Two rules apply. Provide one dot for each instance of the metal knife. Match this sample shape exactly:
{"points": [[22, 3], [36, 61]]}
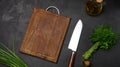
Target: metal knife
{"points": [[75, 40]]}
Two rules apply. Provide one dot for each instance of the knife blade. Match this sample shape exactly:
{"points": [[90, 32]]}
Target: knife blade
{"points": [[73, 44]]}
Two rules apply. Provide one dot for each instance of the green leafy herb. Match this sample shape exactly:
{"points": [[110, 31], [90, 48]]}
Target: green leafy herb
{"points": [[10, 58], [102, 38]]}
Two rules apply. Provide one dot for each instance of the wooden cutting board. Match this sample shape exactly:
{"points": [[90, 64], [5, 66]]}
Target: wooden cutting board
{"points": [[45, 34]]}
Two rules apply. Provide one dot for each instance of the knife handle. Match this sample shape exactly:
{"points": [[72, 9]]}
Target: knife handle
{"points": [[72, 59]]}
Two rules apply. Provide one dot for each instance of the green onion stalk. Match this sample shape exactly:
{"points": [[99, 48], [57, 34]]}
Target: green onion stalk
{"points": [[10, 58]]}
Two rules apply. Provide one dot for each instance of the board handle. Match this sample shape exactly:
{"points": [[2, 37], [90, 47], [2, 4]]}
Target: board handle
{"points": [[58, 11]]}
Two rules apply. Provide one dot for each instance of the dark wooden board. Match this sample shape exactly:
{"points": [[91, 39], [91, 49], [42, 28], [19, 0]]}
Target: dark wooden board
{"points": [[45, 34]]}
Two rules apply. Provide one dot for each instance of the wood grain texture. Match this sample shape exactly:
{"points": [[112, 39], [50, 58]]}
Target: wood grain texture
{"points": [[45, 34]]}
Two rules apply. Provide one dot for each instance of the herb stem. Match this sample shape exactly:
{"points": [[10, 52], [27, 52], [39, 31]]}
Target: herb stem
{"points": [[88, 53]]}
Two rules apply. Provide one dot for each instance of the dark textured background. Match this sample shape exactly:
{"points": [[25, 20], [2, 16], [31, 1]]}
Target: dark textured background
{"points": [[15, 14]]}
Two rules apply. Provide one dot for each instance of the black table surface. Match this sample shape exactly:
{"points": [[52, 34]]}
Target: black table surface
{"points": [[15, 15]]}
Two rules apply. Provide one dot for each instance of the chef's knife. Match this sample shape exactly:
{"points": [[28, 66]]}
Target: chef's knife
{"points": [[75, 40]]}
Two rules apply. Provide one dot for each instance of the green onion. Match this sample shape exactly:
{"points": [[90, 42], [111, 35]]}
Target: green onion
{"points": [[10, 58]]}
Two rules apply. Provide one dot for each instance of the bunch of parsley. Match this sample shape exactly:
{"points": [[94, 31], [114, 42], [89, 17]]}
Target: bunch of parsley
{"points": [[102, 38]]}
